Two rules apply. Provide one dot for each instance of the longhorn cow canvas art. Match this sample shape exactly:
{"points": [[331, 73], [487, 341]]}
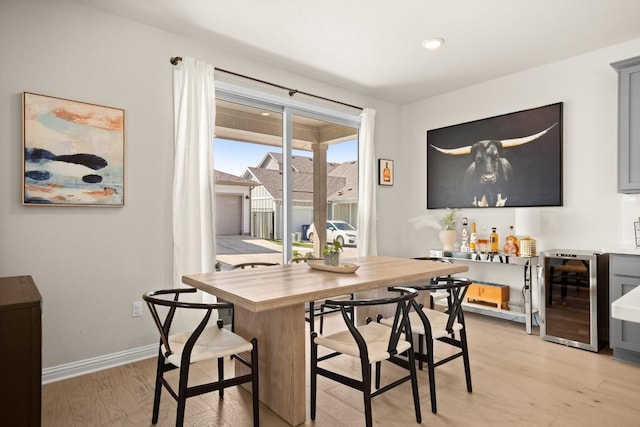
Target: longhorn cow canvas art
{"points": [[512, 160], [73, 153]]}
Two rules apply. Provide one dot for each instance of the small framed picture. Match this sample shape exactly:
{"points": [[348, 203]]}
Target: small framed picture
{"points": [[636, 227], [385, 172]]}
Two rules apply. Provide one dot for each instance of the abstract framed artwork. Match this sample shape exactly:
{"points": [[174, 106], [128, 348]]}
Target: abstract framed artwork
{"points": [[73, 152], [511, 160], [385, 172]]}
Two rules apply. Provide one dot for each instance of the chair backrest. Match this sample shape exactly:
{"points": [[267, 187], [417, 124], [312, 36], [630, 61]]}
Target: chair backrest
{"points": [[432, 258], [457, 288], [298, 260], [253, 264], [400, 326], [170, 298]]}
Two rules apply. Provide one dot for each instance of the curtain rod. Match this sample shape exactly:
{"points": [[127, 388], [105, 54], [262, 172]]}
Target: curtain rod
{"points": [[176, 59]]}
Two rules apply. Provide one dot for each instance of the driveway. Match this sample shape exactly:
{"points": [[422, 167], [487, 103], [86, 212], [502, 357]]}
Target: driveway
{"points": [[231, 250]]}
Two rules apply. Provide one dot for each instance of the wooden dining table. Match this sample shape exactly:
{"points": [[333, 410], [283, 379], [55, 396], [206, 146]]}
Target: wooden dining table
{"points": [[270, 306]]}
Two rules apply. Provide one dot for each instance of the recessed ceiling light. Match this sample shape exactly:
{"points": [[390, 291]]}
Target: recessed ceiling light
{"points": [[265, 114], [433, 43]]}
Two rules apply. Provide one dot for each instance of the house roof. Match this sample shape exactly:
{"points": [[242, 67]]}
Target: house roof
{"points": [[223, 178], [302, 183], [349, 192], [342, 178], [298, 163]]}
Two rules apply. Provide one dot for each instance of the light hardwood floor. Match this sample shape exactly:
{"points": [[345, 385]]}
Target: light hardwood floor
{"points": [[518, 380]]}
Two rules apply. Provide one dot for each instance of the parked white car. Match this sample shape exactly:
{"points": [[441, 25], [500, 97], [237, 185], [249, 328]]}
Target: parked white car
{"points": [[341, 231]]}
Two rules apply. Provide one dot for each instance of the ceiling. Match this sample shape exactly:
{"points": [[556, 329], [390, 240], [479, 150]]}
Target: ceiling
{"points": [[373, 46]]}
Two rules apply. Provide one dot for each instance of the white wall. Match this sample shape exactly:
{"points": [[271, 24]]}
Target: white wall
{"points": [[594, 216], [91, 263]]}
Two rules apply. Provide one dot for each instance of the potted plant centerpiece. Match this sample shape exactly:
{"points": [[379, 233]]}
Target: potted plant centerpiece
{"points": [[448, 234], [331, 253]]}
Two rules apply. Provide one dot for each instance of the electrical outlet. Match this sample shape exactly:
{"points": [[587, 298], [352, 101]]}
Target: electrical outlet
{"points": [[136, 309]]}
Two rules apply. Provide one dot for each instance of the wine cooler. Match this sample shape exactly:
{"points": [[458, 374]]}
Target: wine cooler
{"points": [[574, 302]]}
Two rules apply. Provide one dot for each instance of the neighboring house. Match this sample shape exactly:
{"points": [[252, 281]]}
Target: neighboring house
{"points": [[233, 204], [266, 199], [343, 204]]}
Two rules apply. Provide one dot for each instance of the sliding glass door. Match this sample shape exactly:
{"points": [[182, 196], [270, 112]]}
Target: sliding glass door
{"points": [[280, 171]]}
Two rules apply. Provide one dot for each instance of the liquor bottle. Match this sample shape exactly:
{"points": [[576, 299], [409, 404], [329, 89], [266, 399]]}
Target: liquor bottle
{"points": [[493, 241], [464, 236], [386, 173], [473, 238], [511, 244]]}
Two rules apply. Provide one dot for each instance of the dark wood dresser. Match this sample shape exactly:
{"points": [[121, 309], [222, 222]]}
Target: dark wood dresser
{"points": [[21, 355]]}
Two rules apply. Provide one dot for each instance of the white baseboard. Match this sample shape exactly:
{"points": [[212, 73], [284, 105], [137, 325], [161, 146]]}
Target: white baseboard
{"points": [[82, 367]]}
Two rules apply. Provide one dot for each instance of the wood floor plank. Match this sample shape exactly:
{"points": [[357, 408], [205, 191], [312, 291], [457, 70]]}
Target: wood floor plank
{"points": [[518, 380]]}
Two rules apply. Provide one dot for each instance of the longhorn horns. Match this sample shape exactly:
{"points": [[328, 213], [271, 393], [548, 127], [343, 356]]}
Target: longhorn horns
{"points": [[506, 143]]}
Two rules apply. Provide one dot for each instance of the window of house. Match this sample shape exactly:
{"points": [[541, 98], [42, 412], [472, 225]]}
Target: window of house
{"points": [[278, 169]]}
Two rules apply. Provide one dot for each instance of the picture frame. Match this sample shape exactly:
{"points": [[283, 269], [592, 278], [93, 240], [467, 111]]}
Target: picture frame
{"points": [[527, 143], [73, 152], [385, 172]]}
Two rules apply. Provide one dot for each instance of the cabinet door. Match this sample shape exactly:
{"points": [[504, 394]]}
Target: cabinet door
{"points": [[628, 125], [624, 276]]}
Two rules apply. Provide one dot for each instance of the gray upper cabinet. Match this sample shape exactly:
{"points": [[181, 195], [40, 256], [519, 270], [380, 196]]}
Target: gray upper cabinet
{"points": [[628, 125]]}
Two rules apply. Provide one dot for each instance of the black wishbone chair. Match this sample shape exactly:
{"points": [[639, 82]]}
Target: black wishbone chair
{"points": [[435, 296], [318, 308], [180, 351], [370, 343], [253, 264], [432, 325]]}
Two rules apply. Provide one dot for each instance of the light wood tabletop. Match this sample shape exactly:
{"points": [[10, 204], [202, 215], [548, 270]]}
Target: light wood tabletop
{"points": [[269, 306]]}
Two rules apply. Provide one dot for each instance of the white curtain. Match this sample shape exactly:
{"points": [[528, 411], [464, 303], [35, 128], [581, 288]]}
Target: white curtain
{"points": [[367, 179], [193, 177]]}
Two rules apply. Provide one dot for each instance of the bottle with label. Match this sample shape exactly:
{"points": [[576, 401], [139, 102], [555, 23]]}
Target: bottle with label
{"points": [[493, 241], [386, 173], [473, 238], [511, 244], [464, 236]]}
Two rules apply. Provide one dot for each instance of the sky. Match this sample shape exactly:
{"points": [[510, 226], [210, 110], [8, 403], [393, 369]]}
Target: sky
{"points": [[234, 157]]}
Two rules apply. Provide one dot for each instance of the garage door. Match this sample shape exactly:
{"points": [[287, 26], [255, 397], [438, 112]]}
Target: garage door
{"points": [[228, 215]]}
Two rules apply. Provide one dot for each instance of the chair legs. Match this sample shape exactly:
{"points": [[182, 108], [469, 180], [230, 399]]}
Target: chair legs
{"points": [[465, 358], [321, 318], [365, 384], [432, 364], [158, 389], [221, 375], [182, 395], [184, 391], [314, 375], [432, 375], [255, 385], [366, 394], [414, 385]]}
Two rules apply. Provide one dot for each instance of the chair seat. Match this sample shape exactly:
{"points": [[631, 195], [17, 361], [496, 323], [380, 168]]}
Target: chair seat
{"points": [[375, 335], [439, 295], [213, 343], [437, 320]]}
